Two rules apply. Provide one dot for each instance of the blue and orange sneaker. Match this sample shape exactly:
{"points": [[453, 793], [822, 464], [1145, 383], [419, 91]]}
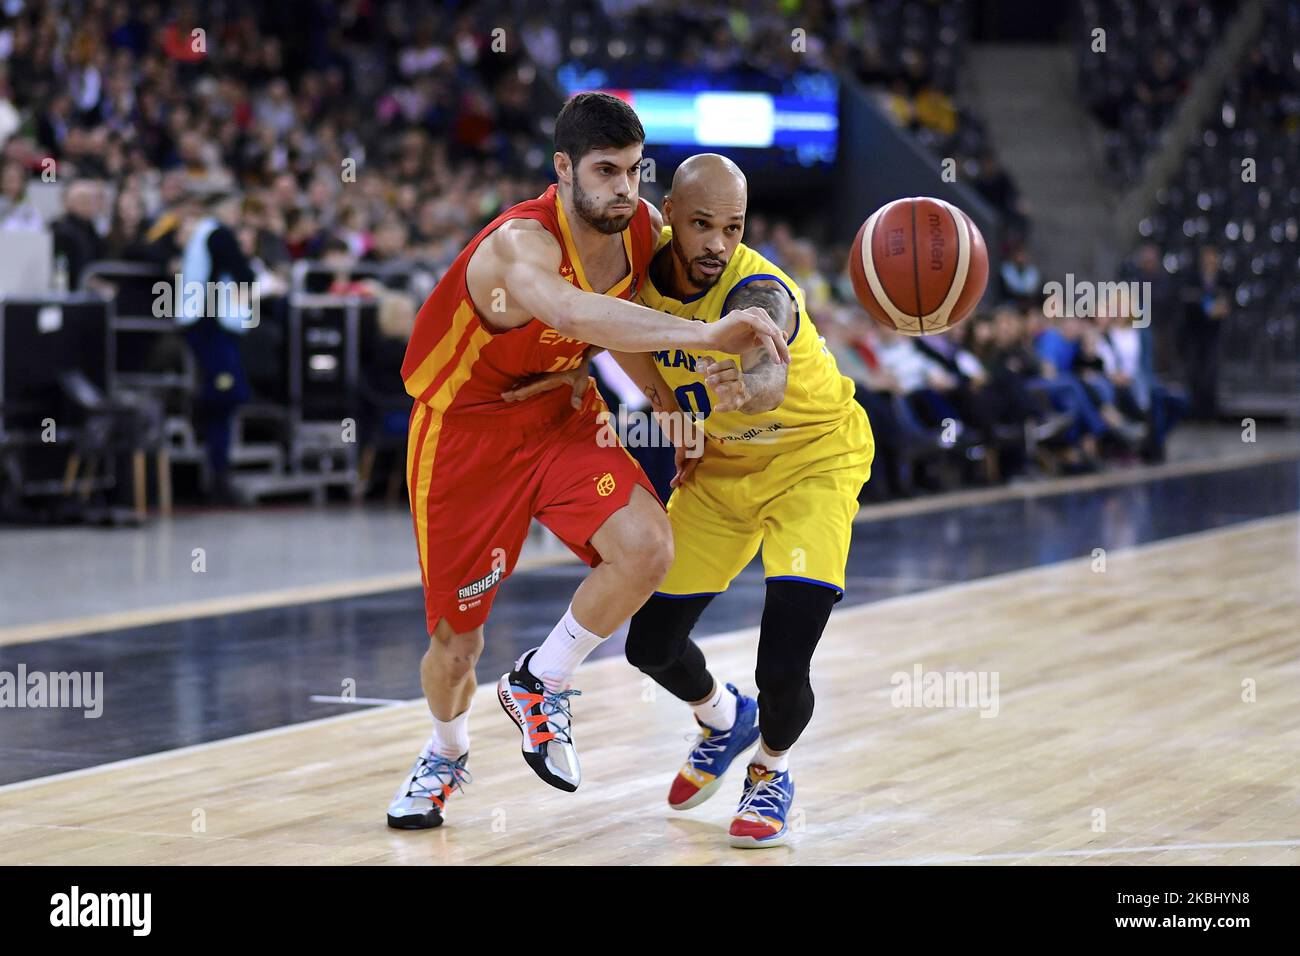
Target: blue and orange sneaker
{"points": [[764, 805], [545, 723], [712, 754], [421, 801]]}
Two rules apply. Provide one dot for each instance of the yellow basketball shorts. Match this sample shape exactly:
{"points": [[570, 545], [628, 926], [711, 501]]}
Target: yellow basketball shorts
{"points": [[798, 504]]}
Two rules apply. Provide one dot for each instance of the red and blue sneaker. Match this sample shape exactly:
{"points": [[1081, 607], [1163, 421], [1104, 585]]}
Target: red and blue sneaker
{"points": [[712, 754], [764, 805]]}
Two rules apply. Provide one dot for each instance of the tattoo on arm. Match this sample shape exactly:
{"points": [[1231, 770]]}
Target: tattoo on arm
{"points": [[768, 295], [764, 379]]}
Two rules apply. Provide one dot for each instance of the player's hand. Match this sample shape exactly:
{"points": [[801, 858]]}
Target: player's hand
{"points": [[578, 379], [686, 465], [744, 330], [726, 381]]}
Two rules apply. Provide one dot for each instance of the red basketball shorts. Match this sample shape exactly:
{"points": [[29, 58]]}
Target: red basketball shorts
{"points": [[477, 481]]}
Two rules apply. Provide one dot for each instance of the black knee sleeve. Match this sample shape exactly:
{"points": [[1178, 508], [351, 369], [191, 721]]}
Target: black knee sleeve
{"points": [[659, 645], [794, 616]]}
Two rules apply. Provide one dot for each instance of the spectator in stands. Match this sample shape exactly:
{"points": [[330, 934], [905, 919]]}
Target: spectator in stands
{"points": [[968, 394], [930, 388], [1107, 388], [17, 212], [127, 235], [898, 433], [1160, 331], [1139, 394], [76, 237], [1021, 281], [1096, 417], [802, 268], [302, 234], [388, 244], [1205, 305], [265, 226], [1011, 362]]}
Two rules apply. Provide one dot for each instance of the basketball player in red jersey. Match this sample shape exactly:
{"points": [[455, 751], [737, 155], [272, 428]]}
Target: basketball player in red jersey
{"points": [[526, 297]]}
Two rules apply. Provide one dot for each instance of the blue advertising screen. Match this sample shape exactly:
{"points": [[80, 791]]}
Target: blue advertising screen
{"points": [[801, 119]]}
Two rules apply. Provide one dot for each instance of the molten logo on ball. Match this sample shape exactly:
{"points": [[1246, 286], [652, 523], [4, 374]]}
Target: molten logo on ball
{"points": [[919, 266]]}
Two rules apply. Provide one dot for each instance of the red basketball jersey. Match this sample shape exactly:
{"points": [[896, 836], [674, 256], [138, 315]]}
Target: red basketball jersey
{"points": [[455, 362]]}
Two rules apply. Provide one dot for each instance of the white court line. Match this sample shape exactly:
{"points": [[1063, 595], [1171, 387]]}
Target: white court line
{"points": [[323, 699], [1106, 851], [489, 690]]}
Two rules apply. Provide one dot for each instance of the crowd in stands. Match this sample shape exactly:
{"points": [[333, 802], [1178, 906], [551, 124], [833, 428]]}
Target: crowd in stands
{"points": [[359, 133], [1005, 394], [1134, 72], [1221, 245], [381, 125]]}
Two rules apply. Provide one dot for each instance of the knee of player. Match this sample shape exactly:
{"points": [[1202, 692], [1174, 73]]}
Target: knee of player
{"points": [[783, 684], [649, 552], [656, 555], [456, 654], [653, 636], [644, 652]]}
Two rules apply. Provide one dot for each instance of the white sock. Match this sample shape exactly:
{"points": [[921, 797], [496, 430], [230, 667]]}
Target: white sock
{"points": [[719, 711], [564, 649], [451, 737], [765, 760]]}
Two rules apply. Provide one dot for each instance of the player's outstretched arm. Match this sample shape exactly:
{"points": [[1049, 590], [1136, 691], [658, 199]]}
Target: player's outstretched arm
{"points": [[686, 434], [527, 262], [759, 384]]}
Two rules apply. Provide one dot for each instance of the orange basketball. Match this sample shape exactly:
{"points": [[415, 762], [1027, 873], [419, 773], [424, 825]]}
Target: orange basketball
{"points": [[919, 265]]}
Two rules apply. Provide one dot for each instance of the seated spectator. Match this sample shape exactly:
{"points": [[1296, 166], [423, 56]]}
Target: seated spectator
{"points": [[1124, 351], [897, 432], [388, 242], [17, 212], [1017, 366], [127, 235], [266, 225], [1096, 417], [76, 237], [1020, 279]]}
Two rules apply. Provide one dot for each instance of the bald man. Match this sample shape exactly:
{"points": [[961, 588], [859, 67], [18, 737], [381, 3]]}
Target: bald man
{"points": [[787, 452]]}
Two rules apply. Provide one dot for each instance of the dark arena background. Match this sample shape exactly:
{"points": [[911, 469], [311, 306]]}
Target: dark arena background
{"points": [[1070, 626]]}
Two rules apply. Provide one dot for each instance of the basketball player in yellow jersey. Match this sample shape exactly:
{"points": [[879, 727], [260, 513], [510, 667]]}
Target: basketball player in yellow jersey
{"points": [[787, 452]]}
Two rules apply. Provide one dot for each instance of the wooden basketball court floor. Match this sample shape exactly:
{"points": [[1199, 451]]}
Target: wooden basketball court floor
{"points": [[1145, 714]]}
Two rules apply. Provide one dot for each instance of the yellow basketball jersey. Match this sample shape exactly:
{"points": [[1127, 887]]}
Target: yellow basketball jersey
{"points": [[818, 399]]}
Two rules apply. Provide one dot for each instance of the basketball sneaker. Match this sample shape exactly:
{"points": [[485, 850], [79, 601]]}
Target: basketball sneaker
{"points": [[544, 721], [712, 754], [421, 800], [764, 805]]}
